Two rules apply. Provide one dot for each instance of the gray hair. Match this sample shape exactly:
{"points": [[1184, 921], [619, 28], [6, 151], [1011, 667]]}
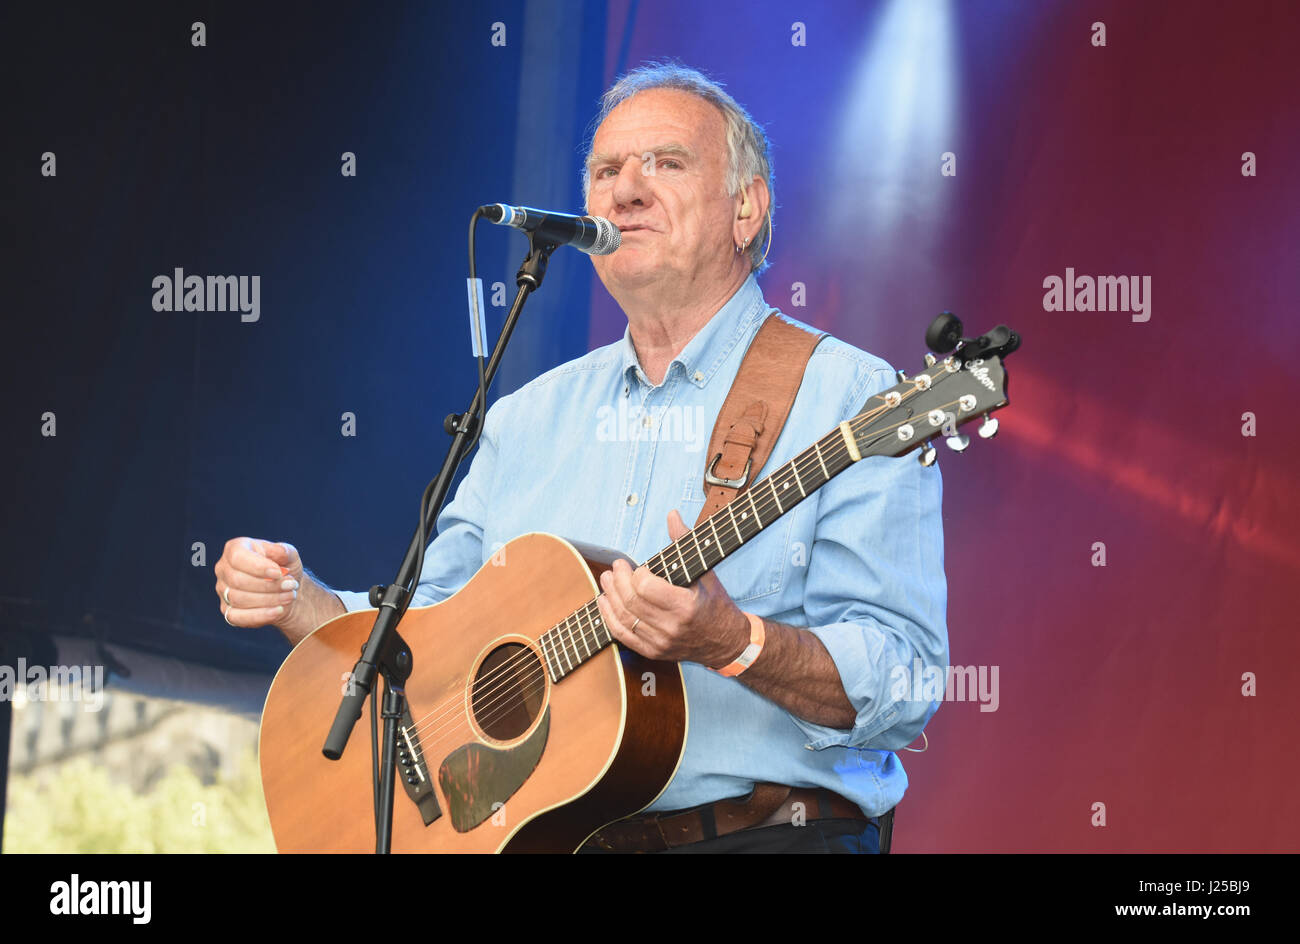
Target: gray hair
{"points": [[747, 145]]}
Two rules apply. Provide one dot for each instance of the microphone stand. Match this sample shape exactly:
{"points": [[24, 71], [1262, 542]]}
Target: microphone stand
{"points": [[385, 653]]}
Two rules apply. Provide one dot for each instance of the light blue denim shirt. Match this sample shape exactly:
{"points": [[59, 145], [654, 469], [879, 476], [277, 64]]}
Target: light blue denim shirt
{"points": [[591, 451]]}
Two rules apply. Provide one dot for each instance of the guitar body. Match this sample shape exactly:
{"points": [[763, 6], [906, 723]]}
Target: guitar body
{"points": [[503, 759]]}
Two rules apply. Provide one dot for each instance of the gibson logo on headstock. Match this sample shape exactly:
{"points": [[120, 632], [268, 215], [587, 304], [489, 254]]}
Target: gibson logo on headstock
{"points": [[981, 373]]}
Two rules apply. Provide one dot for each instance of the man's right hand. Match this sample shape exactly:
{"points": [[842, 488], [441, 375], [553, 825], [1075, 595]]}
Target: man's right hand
{"points": [[262, 583], [258, 581]]}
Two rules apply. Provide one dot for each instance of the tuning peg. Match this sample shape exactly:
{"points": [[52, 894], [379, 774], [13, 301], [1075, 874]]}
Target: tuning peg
{"points": [[929, 359], [927, 455], [989, 428], [958, 442]]}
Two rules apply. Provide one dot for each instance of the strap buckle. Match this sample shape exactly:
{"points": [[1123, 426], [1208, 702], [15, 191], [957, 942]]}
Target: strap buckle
{"points": [[712, 479]]}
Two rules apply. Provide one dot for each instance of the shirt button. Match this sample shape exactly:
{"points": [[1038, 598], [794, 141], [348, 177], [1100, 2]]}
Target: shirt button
{"points": [[698, 377], [646, 421], [631, 499]]}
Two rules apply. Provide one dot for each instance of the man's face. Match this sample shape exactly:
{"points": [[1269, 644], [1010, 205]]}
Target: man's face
{"points": [[657, 171]]}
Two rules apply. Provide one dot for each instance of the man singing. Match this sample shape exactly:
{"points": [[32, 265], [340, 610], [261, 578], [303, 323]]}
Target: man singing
{"points": [[847, 590]]}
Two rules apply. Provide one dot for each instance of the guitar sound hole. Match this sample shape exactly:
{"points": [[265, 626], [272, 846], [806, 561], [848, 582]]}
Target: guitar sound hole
{"points": [[508, 691]]}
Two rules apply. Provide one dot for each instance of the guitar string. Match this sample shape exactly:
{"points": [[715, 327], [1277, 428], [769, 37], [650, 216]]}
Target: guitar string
{"points": [[497, 686], [500, 685], [497, 683]]}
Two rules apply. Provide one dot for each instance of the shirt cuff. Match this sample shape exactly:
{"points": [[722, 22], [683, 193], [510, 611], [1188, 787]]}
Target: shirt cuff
{"points": [[354, 600], [866, 659]]}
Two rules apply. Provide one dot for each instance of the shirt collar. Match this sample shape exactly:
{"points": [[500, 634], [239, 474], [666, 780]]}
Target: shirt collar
{"points": [[706, 352]]}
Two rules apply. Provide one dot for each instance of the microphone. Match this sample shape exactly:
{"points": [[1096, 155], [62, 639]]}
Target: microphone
{"points": [[594, 235]]}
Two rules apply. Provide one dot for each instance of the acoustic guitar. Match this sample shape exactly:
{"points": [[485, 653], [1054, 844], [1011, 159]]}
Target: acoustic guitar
{"points": [[527, 727]]}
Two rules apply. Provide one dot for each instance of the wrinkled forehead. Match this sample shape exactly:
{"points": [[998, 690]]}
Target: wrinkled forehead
{"points": [[655, 118]]}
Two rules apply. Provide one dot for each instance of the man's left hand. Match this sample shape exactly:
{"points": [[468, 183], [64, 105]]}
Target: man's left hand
{"points": [[655, 619]]}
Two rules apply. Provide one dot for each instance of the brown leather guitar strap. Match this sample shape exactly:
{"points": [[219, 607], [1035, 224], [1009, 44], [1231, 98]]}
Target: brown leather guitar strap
{"points": [[755, 410]]}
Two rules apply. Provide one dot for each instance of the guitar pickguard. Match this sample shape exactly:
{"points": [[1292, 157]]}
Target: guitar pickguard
{"points": [[476, 777]]}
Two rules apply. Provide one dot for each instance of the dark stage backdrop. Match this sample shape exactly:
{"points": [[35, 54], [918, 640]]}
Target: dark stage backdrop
{"points": [[1121, 559]]}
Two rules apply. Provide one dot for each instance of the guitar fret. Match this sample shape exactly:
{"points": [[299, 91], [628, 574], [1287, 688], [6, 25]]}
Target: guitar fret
{"points": [[757, 517], [557, 645], [560, 646], [670, 566], [597, 627], [564, 649], [794, 467], [686, 570], [577, 638], [546, 656], [717, 541], [817, 447], [776, 496], [582, 635], [699, 552], [731, 513]]}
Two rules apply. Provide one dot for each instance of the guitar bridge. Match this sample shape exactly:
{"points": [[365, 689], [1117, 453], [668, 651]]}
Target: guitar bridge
{"points": [[413, 770]]}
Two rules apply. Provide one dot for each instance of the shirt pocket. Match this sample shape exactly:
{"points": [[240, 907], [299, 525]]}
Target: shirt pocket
{"points": [[759, 568]]}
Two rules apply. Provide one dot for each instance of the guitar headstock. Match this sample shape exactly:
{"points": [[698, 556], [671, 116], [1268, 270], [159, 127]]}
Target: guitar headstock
{"points": [[968, 384]]}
